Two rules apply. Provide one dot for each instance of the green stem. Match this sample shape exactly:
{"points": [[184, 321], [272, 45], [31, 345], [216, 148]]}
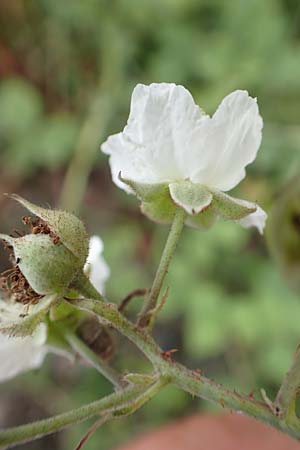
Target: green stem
{"points": [[25, 433], [288, 389], [95, 360], [170, 246], [188, 380], [139, 401], [85, 288]]}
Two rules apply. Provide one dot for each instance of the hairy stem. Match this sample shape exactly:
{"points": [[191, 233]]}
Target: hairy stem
{"points": [[95, 360], [171, 243], [188, 380]]}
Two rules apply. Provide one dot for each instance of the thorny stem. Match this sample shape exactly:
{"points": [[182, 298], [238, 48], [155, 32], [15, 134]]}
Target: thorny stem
{"points": [[126, 401], [95, 360], [121, 403], [188, 380], [152, 297], [288, 390]]}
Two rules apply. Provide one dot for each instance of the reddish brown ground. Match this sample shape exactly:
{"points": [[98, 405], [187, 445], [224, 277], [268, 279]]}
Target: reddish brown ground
{"points": [[214, 432]]}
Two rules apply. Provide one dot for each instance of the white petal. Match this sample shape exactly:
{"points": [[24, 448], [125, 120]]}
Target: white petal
{"points": [[96, 267], [18, 355], [233, 137], [256, 219], [155, 145]]}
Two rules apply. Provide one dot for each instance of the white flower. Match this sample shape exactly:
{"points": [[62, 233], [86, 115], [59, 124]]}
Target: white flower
{"points": [[169, 140], [18, 354], [96, 268], [23, 337]]}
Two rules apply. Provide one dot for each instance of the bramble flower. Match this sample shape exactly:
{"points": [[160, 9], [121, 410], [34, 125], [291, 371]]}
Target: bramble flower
{"points": [[27, 350], [171, 154], [21, 354], [96, 268]]}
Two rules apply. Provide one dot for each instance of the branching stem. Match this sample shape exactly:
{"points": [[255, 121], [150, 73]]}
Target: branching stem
{"points": [[121, 403], [188, 380]]}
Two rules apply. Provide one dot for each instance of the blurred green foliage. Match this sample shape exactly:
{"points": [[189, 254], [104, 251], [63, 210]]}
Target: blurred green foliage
{"points": [[229, 310]]}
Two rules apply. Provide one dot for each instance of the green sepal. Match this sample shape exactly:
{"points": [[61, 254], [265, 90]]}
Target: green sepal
{"points": [[49, 268], [203, 205], [156, 202], [146, 192], [193, 198], [231, 208], [65, 225], [161, 210], [204, 220], [21, 320]]}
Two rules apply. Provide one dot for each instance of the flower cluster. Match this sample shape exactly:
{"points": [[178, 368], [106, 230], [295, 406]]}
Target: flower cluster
{"points": [[173, 157]]}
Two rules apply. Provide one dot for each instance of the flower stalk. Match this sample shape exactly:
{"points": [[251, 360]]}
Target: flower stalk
{"points": [[171, 244], [94, 360]]}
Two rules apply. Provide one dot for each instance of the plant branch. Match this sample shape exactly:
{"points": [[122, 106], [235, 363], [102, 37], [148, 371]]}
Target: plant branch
{"points": [[95, 360], [126, 410], [118, 404], [170, 246], [188, 380]]}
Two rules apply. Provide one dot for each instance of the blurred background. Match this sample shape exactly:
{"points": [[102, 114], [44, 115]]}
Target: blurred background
{"points": [[67, 71]]}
